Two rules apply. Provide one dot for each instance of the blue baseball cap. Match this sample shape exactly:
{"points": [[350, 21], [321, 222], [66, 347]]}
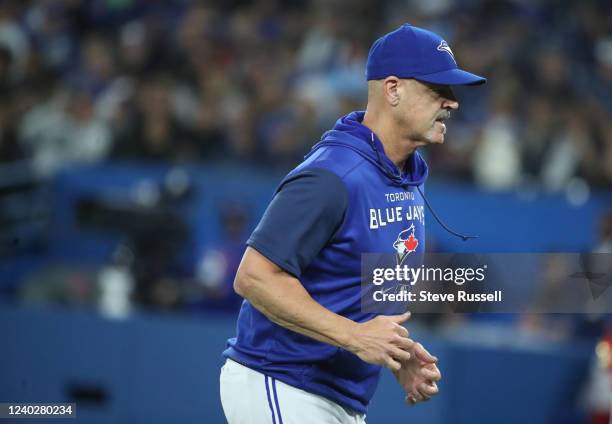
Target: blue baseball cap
{"points": [[412, 52]]}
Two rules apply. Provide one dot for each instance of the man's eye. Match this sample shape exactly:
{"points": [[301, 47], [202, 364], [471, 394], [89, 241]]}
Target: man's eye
{"points": [[441, 90]]}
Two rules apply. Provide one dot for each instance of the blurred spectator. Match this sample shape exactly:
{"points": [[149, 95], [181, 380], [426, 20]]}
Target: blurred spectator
{"points": [[497, 157], [537, 135], [602, 78], [64, 130], [218, 266], [572, 151], [6, 61], [13, 37], [152, 132], [10, 151], [597, 393], [97, 66]]}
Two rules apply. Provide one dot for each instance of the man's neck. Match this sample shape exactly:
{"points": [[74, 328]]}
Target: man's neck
{"points": [[396, 149]]}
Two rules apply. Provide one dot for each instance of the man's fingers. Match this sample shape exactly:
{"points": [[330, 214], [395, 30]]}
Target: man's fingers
{"points": [[411, 400], [416, 396], [422, 354], [402, 331], [405, 344], [432, 374], [425, 398], [393, 365], [401, 355], [423, 391], [399, 319], [428, 390]]}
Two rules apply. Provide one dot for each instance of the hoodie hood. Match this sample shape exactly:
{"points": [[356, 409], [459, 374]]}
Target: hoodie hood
{"points": [[350, 133]]}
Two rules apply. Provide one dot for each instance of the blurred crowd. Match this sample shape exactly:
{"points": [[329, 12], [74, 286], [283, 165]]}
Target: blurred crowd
{"points": [[256, 82], [259, 81]]}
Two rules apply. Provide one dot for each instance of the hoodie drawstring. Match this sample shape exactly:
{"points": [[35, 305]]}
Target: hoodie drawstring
{"points": [[461, 236], [442, 224]]}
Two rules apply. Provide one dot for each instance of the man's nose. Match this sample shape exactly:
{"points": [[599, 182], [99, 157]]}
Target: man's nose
{"points": [[449, 99], [450, 104]]}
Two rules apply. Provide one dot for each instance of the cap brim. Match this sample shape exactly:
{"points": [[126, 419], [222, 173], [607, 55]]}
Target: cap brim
{"points": [[452, 77]]}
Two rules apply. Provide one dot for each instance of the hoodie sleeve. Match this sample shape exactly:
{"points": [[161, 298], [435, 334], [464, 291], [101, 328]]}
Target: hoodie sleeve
{"points": [[305, 213]]}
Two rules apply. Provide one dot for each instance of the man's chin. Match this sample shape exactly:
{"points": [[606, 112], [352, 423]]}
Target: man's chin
{"points": [[437, 133], [438, 139], [427, 140]]}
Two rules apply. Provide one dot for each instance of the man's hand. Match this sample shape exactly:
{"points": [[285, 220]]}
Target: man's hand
{"points": [[418, 375], [383, 341]]}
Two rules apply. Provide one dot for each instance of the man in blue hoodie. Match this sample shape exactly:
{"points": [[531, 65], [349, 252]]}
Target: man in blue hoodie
{"points": [[305, 351]]}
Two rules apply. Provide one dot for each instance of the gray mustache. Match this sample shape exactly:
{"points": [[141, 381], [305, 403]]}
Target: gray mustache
{"points": [[444, 116]]}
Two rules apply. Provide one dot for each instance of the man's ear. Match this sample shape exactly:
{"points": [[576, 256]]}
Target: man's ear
{"points": [[390, 89]]}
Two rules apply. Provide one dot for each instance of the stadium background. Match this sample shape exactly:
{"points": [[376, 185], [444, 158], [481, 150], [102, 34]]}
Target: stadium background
{"points": [[140, 141]]}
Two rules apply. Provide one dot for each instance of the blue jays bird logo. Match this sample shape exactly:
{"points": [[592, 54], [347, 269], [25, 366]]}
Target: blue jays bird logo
{"points": [[444, 47], [405, 244]]}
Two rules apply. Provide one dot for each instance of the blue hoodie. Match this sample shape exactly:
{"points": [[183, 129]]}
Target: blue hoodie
{"points": [[345, 199]]}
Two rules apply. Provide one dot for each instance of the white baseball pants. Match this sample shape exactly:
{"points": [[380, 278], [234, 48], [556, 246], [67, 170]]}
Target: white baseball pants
{"points": [[250, 397]]}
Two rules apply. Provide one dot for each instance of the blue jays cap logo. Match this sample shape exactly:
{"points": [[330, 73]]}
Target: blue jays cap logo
{"points": [[405, 244], [443, 47]]}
